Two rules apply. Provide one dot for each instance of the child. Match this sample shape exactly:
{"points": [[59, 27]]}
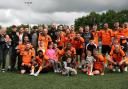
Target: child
{"points": [[40, 62], [27, 56], [51, 53], [59, 54], [91, 45], [88, 63], [68, 65]]}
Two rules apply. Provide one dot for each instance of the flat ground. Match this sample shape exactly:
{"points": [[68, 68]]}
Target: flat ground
{"points": [[56, 81]]}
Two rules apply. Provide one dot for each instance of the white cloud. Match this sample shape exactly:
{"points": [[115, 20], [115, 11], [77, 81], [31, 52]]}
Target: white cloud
{"points": [[47, 11], [29, 17]]}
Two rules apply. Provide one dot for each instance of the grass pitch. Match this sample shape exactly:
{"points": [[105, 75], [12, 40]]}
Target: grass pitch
{"points": [[56, 81]]}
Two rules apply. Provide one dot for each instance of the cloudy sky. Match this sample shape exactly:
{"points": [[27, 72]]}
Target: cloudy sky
{"points": [[48, 11]]}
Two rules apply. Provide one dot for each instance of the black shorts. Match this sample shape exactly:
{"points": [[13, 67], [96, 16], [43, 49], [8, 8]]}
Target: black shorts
{"points": [[79, 51], [106, 49], [25, 67]]}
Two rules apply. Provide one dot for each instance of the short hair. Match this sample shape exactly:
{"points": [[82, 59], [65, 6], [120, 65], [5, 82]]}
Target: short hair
{"points": [[13, 26], [40, 51], [91, 38], [95, 49]]}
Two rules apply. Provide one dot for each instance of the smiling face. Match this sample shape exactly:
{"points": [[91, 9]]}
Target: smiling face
{"points": [[40, 53], [50, 46], [45, 31], [21, 30], [95, 53], [27, 46], [81, 29], [14, 29], [94, 28], [86, 29], [106, 26], [78, 36], [126, 24], [26, 39], [3, 31], [116, 24]]}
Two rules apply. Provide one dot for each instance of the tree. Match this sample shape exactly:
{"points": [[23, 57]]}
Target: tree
{"points": [[109, 17]]}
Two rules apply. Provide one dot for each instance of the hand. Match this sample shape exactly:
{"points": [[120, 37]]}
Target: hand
{"points": [[18, 51], [115, 63]]}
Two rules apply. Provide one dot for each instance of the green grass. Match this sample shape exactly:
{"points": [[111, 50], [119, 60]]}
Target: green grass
{"points": [[56, 81]]}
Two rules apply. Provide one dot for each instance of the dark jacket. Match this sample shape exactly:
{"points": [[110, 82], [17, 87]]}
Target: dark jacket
{"points": [[14, 38]]}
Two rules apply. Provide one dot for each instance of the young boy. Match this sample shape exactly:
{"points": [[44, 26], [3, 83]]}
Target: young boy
{"points": [[91, 45], [27, 56], [41, 62]]}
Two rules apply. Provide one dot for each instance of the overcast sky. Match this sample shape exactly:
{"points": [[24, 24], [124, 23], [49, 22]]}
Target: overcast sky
{"points": [[48, 11]]}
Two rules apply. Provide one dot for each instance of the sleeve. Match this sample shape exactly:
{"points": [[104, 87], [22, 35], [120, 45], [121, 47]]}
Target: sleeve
{"points": [[100, 34], [93, 59], [33, 52], [74, 51], [111, 33], [82, 39], [111, 53], [36, 58], [46, 57], [22, 53], [49, 38], [2, 41], [39, 37], [92, 37], [101, 58], [122, 53]]}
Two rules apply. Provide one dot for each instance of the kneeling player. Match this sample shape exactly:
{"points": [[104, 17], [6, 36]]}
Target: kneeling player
{"points": [[98, 68], [117, 55], [27, 56], [41, 62]]}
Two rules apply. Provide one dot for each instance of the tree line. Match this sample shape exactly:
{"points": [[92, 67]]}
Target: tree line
{"points": [[109, 17]]}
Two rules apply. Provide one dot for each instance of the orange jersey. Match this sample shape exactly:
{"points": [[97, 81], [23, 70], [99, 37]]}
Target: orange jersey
{"points": [[113, 48], [27, 55], [70, 39], [78, 43], [62, 34], [96, 37], [63, 41], [98, 64], [117, 56], [40, 60], [73, 51], [21, 47], [118, 34], [59, 53], [45, 40], [125, 30], [106, 36]]}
